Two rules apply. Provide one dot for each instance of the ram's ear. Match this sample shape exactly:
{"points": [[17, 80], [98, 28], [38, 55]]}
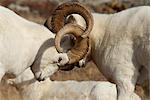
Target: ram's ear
{"points": [[71, 19]]}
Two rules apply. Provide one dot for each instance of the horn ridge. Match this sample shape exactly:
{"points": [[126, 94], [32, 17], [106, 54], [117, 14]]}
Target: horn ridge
{"points": [[62, 11]]}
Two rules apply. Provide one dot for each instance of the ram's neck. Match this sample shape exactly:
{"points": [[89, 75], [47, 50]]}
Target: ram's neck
{"points": [[26, 36], [42, 39], [98, 32]]}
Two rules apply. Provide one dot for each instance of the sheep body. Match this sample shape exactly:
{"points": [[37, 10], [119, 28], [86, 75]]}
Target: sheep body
{"points": [[25, 44], [121, 46], [31, 89]]}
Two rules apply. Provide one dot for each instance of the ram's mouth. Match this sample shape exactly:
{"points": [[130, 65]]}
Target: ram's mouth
{"points": [[38, 76]]}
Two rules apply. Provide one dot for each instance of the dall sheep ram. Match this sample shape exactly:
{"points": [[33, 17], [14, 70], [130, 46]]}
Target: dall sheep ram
{"points": [[22, 44], [26, 44], [120, 44], [31, 89]]}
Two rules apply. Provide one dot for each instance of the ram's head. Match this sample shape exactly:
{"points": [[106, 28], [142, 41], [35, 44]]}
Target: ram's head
{"points": [[56, 23]]}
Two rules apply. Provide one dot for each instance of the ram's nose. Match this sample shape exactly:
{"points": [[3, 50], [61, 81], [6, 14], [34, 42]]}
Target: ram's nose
{"points": [[38, 76], [40, 79]]}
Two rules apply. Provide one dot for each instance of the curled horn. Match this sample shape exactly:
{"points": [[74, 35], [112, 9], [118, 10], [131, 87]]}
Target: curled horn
{"points": [[80, 49], [57, 20]]}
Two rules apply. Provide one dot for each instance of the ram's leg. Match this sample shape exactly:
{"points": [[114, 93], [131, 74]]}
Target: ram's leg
{"points": [[144, 81], [125, 78], [143, 55], [2, 71], [123, 68], [146, 86]]}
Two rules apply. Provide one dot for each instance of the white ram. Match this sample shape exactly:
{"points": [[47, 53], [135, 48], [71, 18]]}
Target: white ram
{"points": [[26, 44], [31, 89], [21, 43], [120, 46]]}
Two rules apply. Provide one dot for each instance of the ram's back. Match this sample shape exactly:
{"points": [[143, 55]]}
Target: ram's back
{"points": [[129, 25], [20, 39]]}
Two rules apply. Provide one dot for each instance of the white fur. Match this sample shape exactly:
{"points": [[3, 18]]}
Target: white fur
{"points": [[30, 89], [121, 45], [24, 43]]}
